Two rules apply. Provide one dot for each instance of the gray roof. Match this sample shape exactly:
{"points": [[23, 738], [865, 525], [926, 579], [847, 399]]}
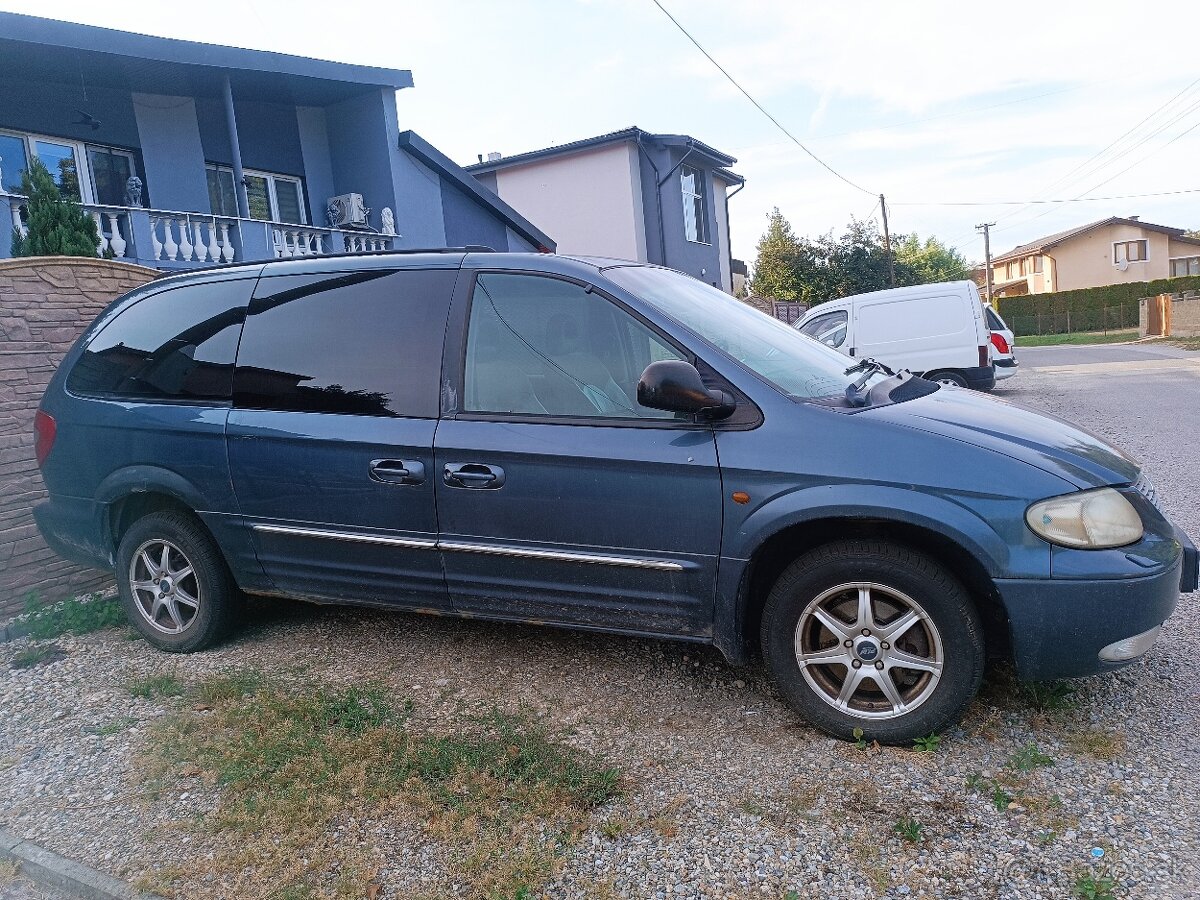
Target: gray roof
{"points": [[1059, 237], [719, 159]]}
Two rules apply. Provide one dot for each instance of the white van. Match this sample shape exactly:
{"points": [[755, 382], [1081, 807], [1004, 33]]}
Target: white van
{"points": [[936, 330]]}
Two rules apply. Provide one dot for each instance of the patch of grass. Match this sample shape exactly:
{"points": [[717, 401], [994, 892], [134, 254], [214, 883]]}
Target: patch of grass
{"points": [[1095, 886], [74, 616], [1077, 337], [1096, 742], [116, 726], [153, 686], [28, 657], [1001, 799], [752, 806], [1048, 696], [507, 795], [909, 829], [927, 744], [1029, 758]]}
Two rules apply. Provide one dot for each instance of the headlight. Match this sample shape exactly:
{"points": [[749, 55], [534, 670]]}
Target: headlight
{"points": [[1091, 520]]}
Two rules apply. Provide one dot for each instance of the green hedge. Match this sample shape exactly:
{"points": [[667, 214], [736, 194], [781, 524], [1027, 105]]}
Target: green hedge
{"points": [[1086, 309]]}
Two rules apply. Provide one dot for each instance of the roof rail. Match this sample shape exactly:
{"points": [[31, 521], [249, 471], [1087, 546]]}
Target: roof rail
{"points": [[467, 248]]}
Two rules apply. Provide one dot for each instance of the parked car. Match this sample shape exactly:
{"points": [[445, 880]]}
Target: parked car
{"points": [[935, 330], [599, 445], [1004, 344]]}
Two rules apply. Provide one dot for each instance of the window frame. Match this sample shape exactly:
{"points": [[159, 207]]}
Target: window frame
{"points": [[1145, 257], [272, 195], [702, 235], [1184, 259], [83, 165], [454, 365]]}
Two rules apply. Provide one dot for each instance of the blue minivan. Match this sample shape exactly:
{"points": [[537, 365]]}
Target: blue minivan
{"points": [[593, 444]]}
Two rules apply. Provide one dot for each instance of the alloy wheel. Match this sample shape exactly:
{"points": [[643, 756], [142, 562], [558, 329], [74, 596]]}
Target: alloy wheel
{"points": [[869, 650], [164, 586]]}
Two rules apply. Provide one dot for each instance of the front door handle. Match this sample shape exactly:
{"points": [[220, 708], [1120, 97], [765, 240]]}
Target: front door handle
{"points": [[396, 471], [473, 475]]}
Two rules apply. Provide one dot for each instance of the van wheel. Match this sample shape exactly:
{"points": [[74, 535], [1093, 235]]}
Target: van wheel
{"points": [[173, 582], [871, 635], [951, 378]]}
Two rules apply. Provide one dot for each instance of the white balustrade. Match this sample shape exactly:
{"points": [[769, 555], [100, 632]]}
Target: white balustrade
{"points": [[186, 238], [14, 207], [295, 241], [112, 242], [365, 241]]}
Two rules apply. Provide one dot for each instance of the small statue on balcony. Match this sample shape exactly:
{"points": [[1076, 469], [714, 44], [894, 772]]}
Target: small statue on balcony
{"points": [[133, 191], [388, 221]]}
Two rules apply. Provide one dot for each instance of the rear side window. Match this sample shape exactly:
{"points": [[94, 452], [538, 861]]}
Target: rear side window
{"points": [[362, 343], [995, 323], [178, 344]]}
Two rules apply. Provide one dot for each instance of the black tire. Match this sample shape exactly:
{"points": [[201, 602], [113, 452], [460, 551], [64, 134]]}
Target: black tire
{"points": [[947, 376], [181, 628], [895, 577]]}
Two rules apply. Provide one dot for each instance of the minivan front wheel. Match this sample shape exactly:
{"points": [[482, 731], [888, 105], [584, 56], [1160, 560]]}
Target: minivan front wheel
{"points": [[873, 636], [174, 585]]}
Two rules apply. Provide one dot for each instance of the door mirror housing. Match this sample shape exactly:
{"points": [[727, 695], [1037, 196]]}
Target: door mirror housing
{"points": [[676, 386]]}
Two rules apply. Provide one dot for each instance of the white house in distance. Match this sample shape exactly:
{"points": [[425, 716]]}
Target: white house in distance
{"points": [[659, 198]]}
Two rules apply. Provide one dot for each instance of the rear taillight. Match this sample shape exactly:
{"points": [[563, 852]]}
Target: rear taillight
{"points": [[999, 342], [44, 432], [984, 356]]}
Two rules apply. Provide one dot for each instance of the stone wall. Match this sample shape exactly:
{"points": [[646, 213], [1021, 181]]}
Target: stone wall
{"points": [[45, 303], [1185, 315]]}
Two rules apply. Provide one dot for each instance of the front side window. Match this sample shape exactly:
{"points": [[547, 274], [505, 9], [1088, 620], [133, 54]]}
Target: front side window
{"points": [[695, 214], [1188, 265], [778, 353], [364, 343], [111, 171], [178, 344], [546, 347], [829, 329], [1130, 251]]}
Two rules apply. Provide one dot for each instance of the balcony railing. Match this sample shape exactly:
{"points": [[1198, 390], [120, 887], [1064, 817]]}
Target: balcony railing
{"points": [[166, 239]]}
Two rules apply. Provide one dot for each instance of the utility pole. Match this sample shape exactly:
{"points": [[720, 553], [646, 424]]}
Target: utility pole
{"points": [[887, 243], [987, 254]]}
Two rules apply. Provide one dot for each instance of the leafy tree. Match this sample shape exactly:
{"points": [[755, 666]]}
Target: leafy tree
{"points": [[930, 261], [777, 268], [1194, 233], [58, 226]]}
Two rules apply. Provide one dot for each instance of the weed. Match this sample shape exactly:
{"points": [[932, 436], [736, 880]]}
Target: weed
{"points": [[974, 781], [927, 744], [1029, 758], [1047, 837], [28, 657], [74, 616], [1097, 742], [791, 895], [224, 688], [116, 726], [752, 807], [859, 741], [1000, 797], [1098, 886], [1048, 696], [153, 686], [909, 829]]}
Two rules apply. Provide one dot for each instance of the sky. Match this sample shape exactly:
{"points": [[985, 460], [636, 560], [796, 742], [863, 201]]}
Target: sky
{"points": [[930, 103]]}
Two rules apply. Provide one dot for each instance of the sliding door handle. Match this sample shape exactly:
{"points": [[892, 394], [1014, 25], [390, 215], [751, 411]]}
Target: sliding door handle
{"points": [[397, 471]]}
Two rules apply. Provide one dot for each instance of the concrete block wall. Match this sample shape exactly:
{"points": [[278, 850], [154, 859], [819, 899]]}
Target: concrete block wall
{"points": [[1185, 315], [45, 303]]}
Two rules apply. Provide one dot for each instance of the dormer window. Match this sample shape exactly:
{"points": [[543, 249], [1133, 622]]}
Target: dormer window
{"points": [[695, 213]]}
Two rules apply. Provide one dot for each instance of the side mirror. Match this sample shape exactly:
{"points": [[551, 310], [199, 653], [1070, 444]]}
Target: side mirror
{"points": [[676, 386]]}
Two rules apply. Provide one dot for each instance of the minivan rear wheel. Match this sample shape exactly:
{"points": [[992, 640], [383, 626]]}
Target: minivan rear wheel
{"points": [[953, 379], [871, 635], [173, 582]]}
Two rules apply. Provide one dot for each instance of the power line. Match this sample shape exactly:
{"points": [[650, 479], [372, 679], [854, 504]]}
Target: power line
{"points": [[795, 140], [1060, 200]]}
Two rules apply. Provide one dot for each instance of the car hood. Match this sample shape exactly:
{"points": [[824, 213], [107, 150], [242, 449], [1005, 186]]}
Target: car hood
{"points": [[1042, 440]]}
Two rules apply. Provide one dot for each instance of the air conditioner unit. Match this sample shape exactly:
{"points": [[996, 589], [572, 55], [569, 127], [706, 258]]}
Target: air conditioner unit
{"points": [[347, 210]]}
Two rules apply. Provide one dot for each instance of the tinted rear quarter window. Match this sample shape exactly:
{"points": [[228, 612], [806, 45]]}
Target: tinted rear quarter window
{"points": [[359, 343], [177, 344]]}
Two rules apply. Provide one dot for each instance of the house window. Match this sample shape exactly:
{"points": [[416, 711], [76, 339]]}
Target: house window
{"points": [[83, 172], [271, 197], [1037, 265], [1130, 251], [1009, 271], [695, 213], [1185, 265], [1022, 269]]}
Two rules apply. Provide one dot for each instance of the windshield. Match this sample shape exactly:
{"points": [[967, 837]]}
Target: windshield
{"points": [[793, 362]]}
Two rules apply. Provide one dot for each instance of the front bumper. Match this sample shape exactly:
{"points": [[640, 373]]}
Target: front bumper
{"points": [[1059, 626]]}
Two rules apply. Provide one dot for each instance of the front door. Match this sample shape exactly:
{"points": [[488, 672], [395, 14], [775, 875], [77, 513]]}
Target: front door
{"points": [[331, 435], [560, 498]]}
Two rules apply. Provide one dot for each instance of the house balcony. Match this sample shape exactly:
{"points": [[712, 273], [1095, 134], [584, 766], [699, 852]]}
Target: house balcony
{"points": [[172, 240]]}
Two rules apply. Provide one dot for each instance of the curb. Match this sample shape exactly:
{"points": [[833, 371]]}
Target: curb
{"points": [[51, 870]]}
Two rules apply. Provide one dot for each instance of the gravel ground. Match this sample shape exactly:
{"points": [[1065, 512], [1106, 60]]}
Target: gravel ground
{"points": [[727, 793]]}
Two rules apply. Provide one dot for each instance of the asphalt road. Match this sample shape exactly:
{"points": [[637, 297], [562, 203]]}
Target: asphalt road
{"points": [[1099, 353]]}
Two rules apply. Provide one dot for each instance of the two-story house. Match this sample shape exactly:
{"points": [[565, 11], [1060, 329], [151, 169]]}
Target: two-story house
{"points": [[188, 154], [1111, 251], [660, 198]]}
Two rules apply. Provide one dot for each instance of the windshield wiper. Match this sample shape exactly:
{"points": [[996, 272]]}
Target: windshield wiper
{"points": [[854, 392]]}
